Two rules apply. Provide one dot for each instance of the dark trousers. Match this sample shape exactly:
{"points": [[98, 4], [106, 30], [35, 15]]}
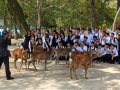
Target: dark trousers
{"points": [[5, 60], [115, 59], [106, 58]]}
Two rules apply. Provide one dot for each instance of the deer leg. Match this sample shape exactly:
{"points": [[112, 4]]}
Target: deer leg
{"points": [[86, 73], [21, 65], [68, 64], [74, 70], [15, 59], [29, 63], [71, 73], [45, 65], [57, 60], [26, 64], [34, 65], [66, 59]]}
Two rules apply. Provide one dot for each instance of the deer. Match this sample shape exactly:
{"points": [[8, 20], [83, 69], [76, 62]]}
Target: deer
{"points": [[40, 55], [19, 53], [61, 52], [84, 60]]}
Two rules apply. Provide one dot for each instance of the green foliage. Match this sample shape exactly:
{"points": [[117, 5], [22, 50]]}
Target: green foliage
{"points": [[67, 13]]}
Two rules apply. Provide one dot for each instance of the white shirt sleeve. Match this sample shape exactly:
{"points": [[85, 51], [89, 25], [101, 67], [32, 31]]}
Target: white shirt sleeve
{"points": [[29, 46]]}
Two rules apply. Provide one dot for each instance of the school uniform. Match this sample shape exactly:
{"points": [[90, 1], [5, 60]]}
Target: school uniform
{"points": [[76, 48], [107, 57], [101, 51], [82, 37], [46, 44], [92, 48], [107, 40], [103, 41], [114, 56], [115, 42], [58, 46], [84, 48], [90, 38], [30, 45]]}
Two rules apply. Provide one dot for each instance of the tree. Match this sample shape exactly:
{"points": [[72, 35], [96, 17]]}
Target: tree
{"points": [[17, 13], [118, 4]]}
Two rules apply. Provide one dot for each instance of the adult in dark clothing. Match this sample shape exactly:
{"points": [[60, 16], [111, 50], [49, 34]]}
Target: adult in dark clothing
{"points": [[119, 47], [26, 40], [4, 56]]}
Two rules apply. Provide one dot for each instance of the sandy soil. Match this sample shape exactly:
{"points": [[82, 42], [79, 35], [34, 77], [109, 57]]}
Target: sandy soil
{"points": [[101, 77]]}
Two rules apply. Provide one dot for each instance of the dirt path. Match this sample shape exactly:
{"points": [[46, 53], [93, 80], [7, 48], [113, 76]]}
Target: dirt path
{"points": [[101, 77]]}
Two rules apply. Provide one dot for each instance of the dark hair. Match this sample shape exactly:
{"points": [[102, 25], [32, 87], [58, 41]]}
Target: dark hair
{"points": [[107, 33], [77, 37], [76, 42], [113, 34], [86, 37], [5, 32], [92, 43], [95, 37], [99, 44]]}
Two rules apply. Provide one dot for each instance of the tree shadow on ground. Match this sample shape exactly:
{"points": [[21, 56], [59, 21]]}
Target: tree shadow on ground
{"points": [[100, 77]]}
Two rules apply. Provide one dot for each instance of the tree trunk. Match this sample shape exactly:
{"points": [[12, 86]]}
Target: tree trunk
{"points": [[16, 34], [39, 6], [5, 16], [118, 4], [17, 12], [93, 13]]}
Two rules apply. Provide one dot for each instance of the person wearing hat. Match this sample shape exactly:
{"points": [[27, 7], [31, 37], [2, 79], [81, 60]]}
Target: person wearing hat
{"points": [[4, 56]]}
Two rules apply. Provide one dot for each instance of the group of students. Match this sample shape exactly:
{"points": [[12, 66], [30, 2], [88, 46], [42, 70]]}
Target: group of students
{"points": [[106, 43]]}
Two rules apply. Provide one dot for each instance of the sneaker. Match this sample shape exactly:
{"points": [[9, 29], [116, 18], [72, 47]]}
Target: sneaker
{"points": [[10, 78]]}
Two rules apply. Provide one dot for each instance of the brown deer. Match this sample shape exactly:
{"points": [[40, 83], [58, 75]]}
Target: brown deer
{"points": [[40, 55], [61, 52], [84, 60], [19, 53]]}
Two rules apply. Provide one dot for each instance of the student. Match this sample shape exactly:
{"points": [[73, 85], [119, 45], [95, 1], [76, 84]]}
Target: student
{"points": [[108, 53], [60, 45], [76, 47], [95, 40], [89, 36], [103, 38], [101, 51], [27, 38], [69, 46], [39, 39], [114, 41], [87, 43], [92, 46], [114, 51], [77, 39], [107, 38], [96, 33], [31, 44], [83, 47]]}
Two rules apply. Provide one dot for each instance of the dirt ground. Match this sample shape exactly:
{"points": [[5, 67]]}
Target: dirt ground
{"points": [[101, 77]]}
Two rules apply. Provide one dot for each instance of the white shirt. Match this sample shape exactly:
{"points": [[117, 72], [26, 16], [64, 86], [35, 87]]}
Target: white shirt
{"points": [[114, 52], [90, 37], [84, 48], [107, 40], [101, 51], [77, 48]]}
